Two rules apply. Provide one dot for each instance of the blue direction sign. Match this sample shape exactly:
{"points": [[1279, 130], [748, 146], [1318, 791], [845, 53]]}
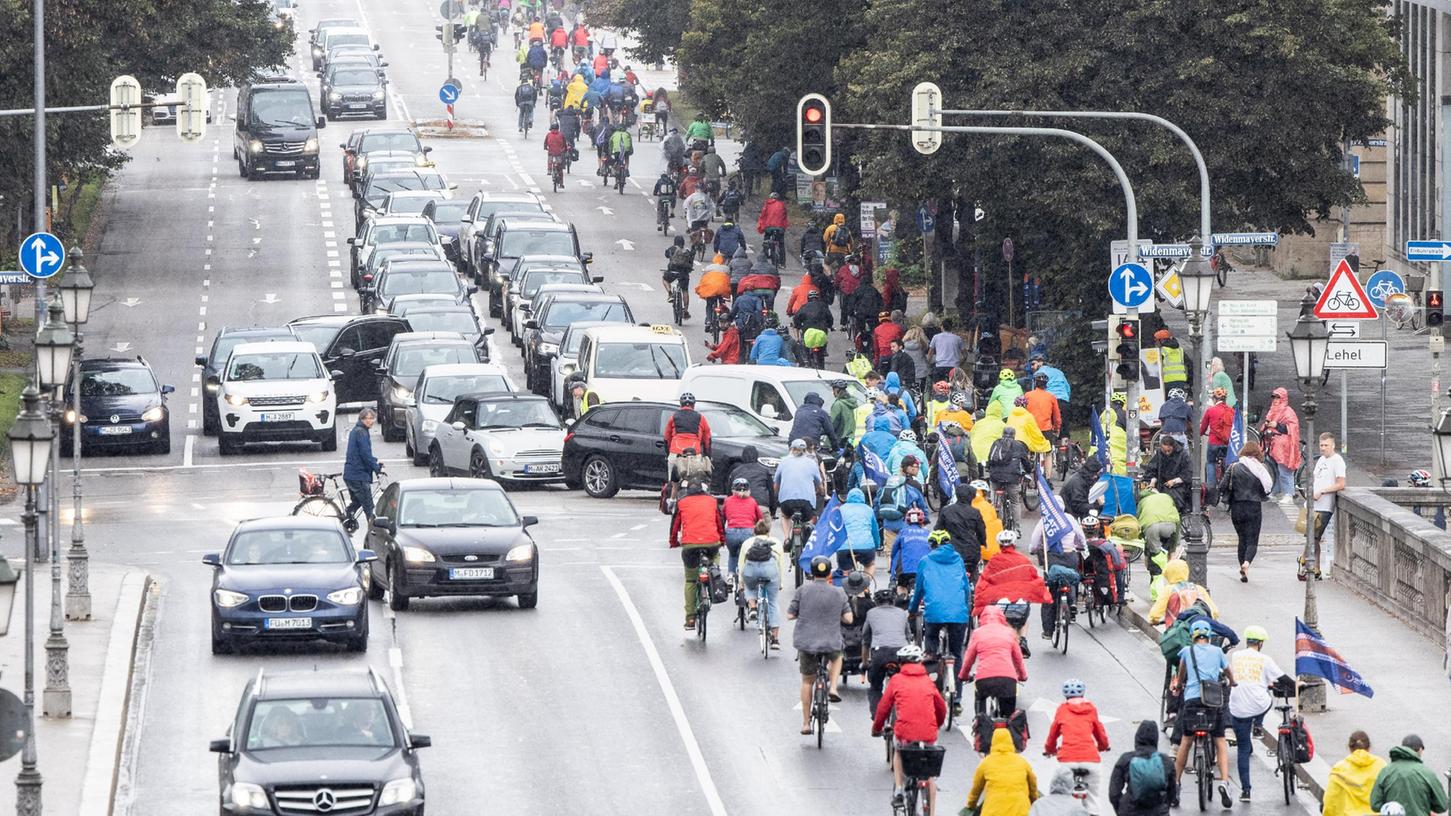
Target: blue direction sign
{"points": [[1428, 250], [449, 91], [1246, 239], [1166, 251], [925, 222], [1131, 285], [41, 255], [1382, 285]]}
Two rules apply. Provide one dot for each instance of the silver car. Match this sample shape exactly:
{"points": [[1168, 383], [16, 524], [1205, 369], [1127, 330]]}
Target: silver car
{"points": [[438, 387], [507, 437], [566, 362]]}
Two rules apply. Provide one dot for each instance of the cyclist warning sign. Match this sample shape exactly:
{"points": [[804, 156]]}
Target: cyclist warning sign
{"points": [[1344, 298]]}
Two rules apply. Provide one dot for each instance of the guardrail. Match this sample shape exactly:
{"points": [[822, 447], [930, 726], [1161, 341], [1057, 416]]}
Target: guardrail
{"points": [[1390, 550]]}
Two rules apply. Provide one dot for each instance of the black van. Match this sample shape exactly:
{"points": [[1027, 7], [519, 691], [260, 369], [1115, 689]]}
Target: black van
{"points": [[276, 129]]}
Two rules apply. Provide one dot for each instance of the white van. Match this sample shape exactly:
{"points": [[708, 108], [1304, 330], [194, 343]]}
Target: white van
{"points": [[770, 393], [622, 362]]}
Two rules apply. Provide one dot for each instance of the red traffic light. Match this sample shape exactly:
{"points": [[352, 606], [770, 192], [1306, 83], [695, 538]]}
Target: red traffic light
{"points": [[1435, 299], [1128, 330], [812, 115]]}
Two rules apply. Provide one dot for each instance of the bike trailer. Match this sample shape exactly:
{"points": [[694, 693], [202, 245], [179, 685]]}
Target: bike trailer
{"points": [[921, 761]]}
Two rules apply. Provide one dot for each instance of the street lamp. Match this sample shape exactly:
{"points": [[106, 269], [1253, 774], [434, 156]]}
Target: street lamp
{"points": [[75, 297], [1442, 434], [54, 348], [30, 444], [54, 345], [8, 580], [1309, 342], [1197, 280]]}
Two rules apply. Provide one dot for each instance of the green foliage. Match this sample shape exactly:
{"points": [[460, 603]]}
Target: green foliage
{"points": [[656, 24]]}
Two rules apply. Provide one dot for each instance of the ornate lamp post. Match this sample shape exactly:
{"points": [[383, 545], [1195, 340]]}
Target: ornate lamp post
{"points": [[54, 347], [30, 445], [75, 298], [1197, 280], [1308, 343]]}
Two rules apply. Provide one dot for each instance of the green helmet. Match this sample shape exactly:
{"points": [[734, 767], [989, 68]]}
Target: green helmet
{"points": [[1256, 634]]}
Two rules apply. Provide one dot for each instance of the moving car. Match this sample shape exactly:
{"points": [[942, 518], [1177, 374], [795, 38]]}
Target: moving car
{"points": [[319, 742], [529, 273], [165, 111], [409, 276], [480, 207], [353, 89], [351, 344], [626, 362], [514, 240], [275, 392], [498, 436], [519, 308], [620, 445], [381, 254], [122, 406], [211, 363], [408, 202], [412, 230], [378, 185], [288, 578], [566, 362], [365, 142], [452, 537], [431, 317], [433, 396], [552, 314], [770, 393], [276, 129], [319, 32], [406, 358]]}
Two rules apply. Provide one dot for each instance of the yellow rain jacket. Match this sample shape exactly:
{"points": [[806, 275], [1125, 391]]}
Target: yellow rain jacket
{"points": [[1004, 783], [1023, 421], [991, 524], [986, 431], [1118, 443], [574, 92], [1178, 586], [1348, 791]]}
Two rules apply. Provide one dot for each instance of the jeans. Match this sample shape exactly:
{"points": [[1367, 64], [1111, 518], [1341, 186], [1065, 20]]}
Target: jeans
{"points": [[1244, 748], [1213, 458], [956, 639], [1284, 481], [1322, 523], [767, 574], [1246, 517], [735, 536], [526, 114], [1005, 689], [362, 493], [689, 555]]}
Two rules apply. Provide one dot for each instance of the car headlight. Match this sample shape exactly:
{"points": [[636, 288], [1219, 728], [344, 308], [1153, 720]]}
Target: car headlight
{"points": [[523, 552], [769, 461], [346, 597], [418, 555], [422, 161], [496, 447], [310, 146], [236, 399], [212, 388], [316, 52], [247, 795], [402, 394], [568, 369], [70, 417], [548, 348], [154, 414], [334, 96], [398, 791], [378, 94], [227, 599], [256, 146], [319, 396], [430, 425]]}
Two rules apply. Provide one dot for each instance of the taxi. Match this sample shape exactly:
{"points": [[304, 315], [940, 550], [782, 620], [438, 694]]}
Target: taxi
{"points": [[624, 362]]}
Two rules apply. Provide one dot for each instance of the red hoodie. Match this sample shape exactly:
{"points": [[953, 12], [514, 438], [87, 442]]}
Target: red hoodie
{"points": [[773, 214], [993, 648], [920, 708], [1083, 736], [846, 282], [741, 511], [697, 521]]}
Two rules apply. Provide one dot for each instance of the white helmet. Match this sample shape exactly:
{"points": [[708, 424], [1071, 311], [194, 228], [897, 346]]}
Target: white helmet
{"points": [[979, 485], [1392, 809], [912, 653], [1008, 538]]}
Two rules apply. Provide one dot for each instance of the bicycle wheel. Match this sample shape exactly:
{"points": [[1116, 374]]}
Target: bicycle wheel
{"points": [[1063, 624], [1285, 760], [890, 741], [319, 507], [1204, 776], [677, 308], [910, 797], [1030, 495], [702, 612], [1090, 604], [819, 708], [763, 627]]}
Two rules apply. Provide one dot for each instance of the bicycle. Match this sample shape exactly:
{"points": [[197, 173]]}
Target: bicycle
{"points": [[1285, 765], [775, 246], [556, 172], [677, 302], [662, 215], [921, 763], [1203, 760], [526, 119], [699, 238], [820, 702], [1007, 511], [946, 680], [1028, 488], [763, 626], [704, 589], [800, 534], [1060, 625], [622, 172], [316, 501], [485, 53], [1068, 457]]}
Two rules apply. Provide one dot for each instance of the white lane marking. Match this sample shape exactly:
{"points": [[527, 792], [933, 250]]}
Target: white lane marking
{"points": [[340, 307], [195, 393], [677, 711], [191, 408], [187, 449], [400, 694]]}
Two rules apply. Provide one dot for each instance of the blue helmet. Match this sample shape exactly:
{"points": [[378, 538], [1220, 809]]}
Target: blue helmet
{"points": [[1073, 688], [1200, 629]]}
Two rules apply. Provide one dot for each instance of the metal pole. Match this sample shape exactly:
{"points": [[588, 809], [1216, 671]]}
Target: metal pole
{"points": [[1382, 399], [78, 597], [1245, 397], [1344, 374], [57, 699], [38, 182], [1196, 549], [28, 781], [1312, 689]]}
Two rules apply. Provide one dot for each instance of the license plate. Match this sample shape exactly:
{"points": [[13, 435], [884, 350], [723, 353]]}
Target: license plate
{"points": [[357, 105], [471, 573], [550, 468], [286, 416], [286, 163], [115, 430], [289, 623]]}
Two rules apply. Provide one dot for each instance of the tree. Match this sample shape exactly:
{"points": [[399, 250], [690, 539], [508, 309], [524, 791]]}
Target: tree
{"points": [[656, 24]]}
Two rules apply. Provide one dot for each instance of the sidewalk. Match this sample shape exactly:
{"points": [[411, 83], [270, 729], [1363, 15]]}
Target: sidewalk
{"points": [[1412, 693], [79, 756]]}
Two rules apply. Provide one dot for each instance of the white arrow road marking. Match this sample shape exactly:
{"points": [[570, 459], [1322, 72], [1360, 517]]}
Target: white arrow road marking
{"points": [[585, 182], [647, 287], [131, 302], [626, 244], [270, 297], [605, 210], [121, 348]]}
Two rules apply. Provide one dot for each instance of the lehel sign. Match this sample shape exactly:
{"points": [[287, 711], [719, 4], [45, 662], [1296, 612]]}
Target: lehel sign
{"points": [[1356, 354]]}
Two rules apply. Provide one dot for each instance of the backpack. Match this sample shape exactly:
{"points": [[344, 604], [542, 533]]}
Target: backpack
{"points": [[859, 366], [1174, 640], [892, 504], [760, 550], [1300, 740], [813, 338], [841, 237], [1147, 782], [983, 726], [750, 323]]}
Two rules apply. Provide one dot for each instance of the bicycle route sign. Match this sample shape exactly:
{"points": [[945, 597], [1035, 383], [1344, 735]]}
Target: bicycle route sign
{"points": [[1382, 285], [1344, 298]]}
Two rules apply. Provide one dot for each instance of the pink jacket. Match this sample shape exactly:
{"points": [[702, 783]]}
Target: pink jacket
{"points": [[993, 648], [741, 511]]}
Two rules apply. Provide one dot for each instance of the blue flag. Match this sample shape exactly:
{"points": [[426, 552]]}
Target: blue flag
{"points": [[947, 475], [1236, 438], [828, 535], [1100, 442], [872, 465], [1313, 656], [1056, 524]]}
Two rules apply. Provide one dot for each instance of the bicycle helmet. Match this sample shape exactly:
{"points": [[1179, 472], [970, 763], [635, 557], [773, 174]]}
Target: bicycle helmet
{"points": [[912, 653], [554, 126], [1022, 401], [1120, 398], [1073, 688], [907, 435], [820, 567], [1091, 523], [914, 515], [1420, 478], [1009, 432], [937, 537], [884, 597], [941, 387], [1200, 629], [740, 484], [1006, 375], [1256, 634], [1008, 538], [1388, 809], [840, 385], [687, 399], [1162, 334], [876, 394], [1040, 379], [959, 400], [979, 485], [1178, 392]]}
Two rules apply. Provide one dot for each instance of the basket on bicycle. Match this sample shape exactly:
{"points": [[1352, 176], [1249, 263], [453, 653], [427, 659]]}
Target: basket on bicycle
{"points": [[1196, 718], [309, 483], [921, 761]]}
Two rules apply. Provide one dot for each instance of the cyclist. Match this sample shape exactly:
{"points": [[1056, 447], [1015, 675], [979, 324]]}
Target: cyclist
{"points": [[812, 422], [686, 428], [920, 711], [1077, 738], [697, 529], [798, 483], [964, 527], [728, 238], [680, 262], [902, 492], [1076, 487], [944, 597], [536, 57], [886, 630], [1142, 782], [1178, 594], [986, 431], [1250, 699], [843, 412], [713, 168], [1007, 461], [1010, 577], [956, 412], [837, 238], [1003, 783], [359, 467], [1202, 663], [762, 562], [1217, 423], [862, 535], [913, 544], [994, 657], [665, 189], [622, 146], [940, 401], [906, 445], [1171, 471], [699, 209], [773, 221], [992, 525], [699, 131], [1025, 425], [555, 146], [742, 515], [730, 201], [1046, 413], [674, 149], [758, 475], [1174, 415], [574, 92], [1006, 391], [1063, 565], [819, 609], [524, 101]]}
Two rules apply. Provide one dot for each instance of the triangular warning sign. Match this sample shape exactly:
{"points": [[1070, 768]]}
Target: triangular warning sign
{"points": [[1344, 298]]}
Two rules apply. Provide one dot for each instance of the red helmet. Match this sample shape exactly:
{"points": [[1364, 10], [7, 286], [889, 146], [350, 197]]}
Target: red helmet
{"points": [[941, 387], [915, 516]]}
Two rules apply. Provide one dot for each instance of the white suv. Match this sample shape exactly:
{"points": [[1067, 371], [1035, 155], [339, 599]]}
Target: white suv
{"points": [[275, 392]]}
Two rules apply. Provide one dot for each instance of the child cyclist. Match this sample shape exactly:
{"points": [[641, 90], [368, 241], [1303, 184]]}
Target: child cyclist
{"points": [[1077, 738], [920, 712]]}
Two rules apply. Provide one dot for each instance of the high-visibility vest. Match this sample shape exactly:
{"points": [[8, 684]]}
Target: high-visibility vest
{"points": [[862, 412], [1171, 365]]}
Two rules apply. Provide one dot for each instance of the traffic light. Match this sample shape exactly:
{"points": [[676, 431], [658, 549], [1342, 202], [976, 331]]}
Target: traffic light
{"points": [[125, 111], [191, 112], [459, 32], [1101, 330], [1127, 350], [1435, 307], [813, 134], [444, 36]]}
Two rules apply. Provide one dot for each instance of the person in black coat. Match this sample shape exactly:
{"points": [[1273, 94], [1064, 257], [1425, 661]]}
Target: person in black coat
{"points": [[1077, 486], [816, 314], [901, 362], [964, 523], [1127, 802], [813, 422], [762, 481], [1170, 471]]}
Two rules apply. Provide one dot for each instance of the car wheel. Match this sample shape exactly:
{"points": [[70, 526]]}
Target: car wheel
{"points": [[479, 465], [382, 112], [599, 478], [435, 462], [390, 433], [329, 440], [359, 642], [496, 309], [419, 458], [528, 600], [397, 601], [375, 586], [315, 173], [241, 167], [227, 443]]}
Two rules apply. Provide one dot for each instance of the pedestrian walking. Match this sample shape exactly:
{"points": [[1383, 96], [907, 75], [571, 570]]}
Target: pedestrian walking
{"points": [[1246, 484], [1282, 428], [1347, 793]]}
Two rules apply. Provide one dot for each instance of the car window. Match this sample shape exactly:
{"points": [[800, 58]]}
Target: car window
{"points": [[733, 422], [320, 722], [388, 503], [464, 411], [535, 278], [335, 40], [406, 205], [320, 335], [383, 253], [412, 359], [488, 208], [124, 382], [526, 242], [444, 389], [376, 334], [351, 338], [763, 394], [281, 108], [461, 322], [389, 141], [798, 389], [456, 508], [603, 417], [640, 361], [516, 414], [398, 233], [563, 314], [355, 76], [447, 212], [254, 547], [399, 282], [286, 365], [647, 421]]}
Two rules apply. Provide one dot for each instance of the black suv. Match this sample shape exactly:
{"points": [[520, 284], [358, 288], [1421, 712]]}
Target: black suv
{"points": [[276, 129], [353, 89], [351, 344], [211, 364], [319, 742], [122, 406]]}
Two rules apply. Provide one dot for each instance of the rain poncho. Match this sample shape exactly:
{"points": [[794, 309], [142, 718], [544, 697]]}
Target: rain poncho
{"points": [[1022, 421], [986, 431], [1006, 390]]}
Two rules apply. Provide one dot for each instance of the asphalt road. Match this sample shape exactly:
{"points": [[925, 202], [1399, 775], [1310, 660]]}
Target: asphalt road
{"points": [[597, 701]]}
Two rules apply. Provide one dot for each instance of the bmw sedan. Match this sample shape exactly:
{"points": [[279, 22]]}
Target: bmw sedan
{"points": [[289, 578], [452, 537]]}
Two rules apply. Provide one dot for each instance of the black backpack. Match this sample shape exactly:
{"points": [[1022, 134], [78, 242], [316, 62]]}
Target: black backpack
{"points": [[841, 236], [760, 551]]}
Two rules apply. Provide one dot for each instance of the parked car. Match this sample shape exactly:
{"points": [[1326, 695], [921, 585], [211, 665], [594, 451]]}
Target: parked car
{"points": [[122, 406], [511, 437], [434, 394]]}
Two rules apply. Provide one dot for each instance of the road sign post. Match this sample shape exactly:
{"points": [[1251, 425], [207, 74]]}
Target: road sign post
{"points": [[1344, 298]]}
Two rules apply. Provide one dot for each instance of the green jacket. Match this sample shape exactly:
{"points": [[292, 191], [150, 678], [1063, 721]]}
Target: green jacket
{"points": [[1223, 380], [1157, 507], [699, 130], [1408, 781], [843, 418]]}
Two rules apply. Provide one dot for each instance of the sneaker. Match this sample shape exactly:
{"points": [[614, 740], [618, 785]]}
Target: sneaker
{"points": [[751, 617], [690, 624], [1259, 731], [1224, 796], [1244, 796], [898, 798], [1047, 636], [776, 645], [957, 710]]}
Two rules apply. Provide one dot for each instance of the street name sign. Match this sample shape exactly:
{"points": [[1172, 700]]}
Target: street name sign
{"points": [[1428, 250], [1246, 239], [1356, 354]]}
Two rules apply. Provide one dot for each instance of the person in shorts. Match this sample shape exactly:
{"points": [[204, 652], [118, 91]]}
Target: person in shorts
{"points": [[1199, 665], [819, 609], [798, 484]]}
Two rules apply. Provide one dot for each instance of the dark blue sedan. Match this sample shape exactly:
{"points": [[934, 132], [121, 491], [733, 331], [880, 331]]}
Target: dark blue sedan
{"points": [[122, 406]]}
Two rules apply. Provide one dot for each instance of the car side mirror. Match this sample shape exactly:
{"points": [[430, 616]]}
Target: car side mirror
{"points": [[569, 423], [768, 411], [378, 366], [364, 556], [336, 374], [529, 521], [220, 746], [457, 425], [420, 741], [382, 65], [427, 149], [321, 122], [488, 330], [376, 47], [201, 361], [352, 241], [212, 559], [471, 290], [344, 146], [588, 257], [168, 389], [379, 523], [531, 324], [346, 352]]}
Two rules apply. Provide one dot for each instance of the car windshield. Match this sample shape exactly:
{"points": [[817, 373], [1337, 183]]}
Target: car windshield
{"points": [[489, 208], [320, 335], [527, 242], [732, 422], [335, 40], [640, 361], [402, 282], [124, 382], [517, 414], [412, 360], [285, 365], [563, 314], [320, 722], [256, 547], [407, 204], [226, 343], [382, 186], [535, 278], [388, 141], [448, 212], [443, 390], [398, 233], [375, 261], [466, 507], [281, 108], [460, 321], [798, 389], [355, 76]]}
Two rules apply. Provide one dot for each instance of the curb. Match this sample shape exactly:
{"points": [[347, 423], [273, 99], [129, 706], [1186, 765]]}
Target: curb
{"points": [[103, 763], [1311, 782]]}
